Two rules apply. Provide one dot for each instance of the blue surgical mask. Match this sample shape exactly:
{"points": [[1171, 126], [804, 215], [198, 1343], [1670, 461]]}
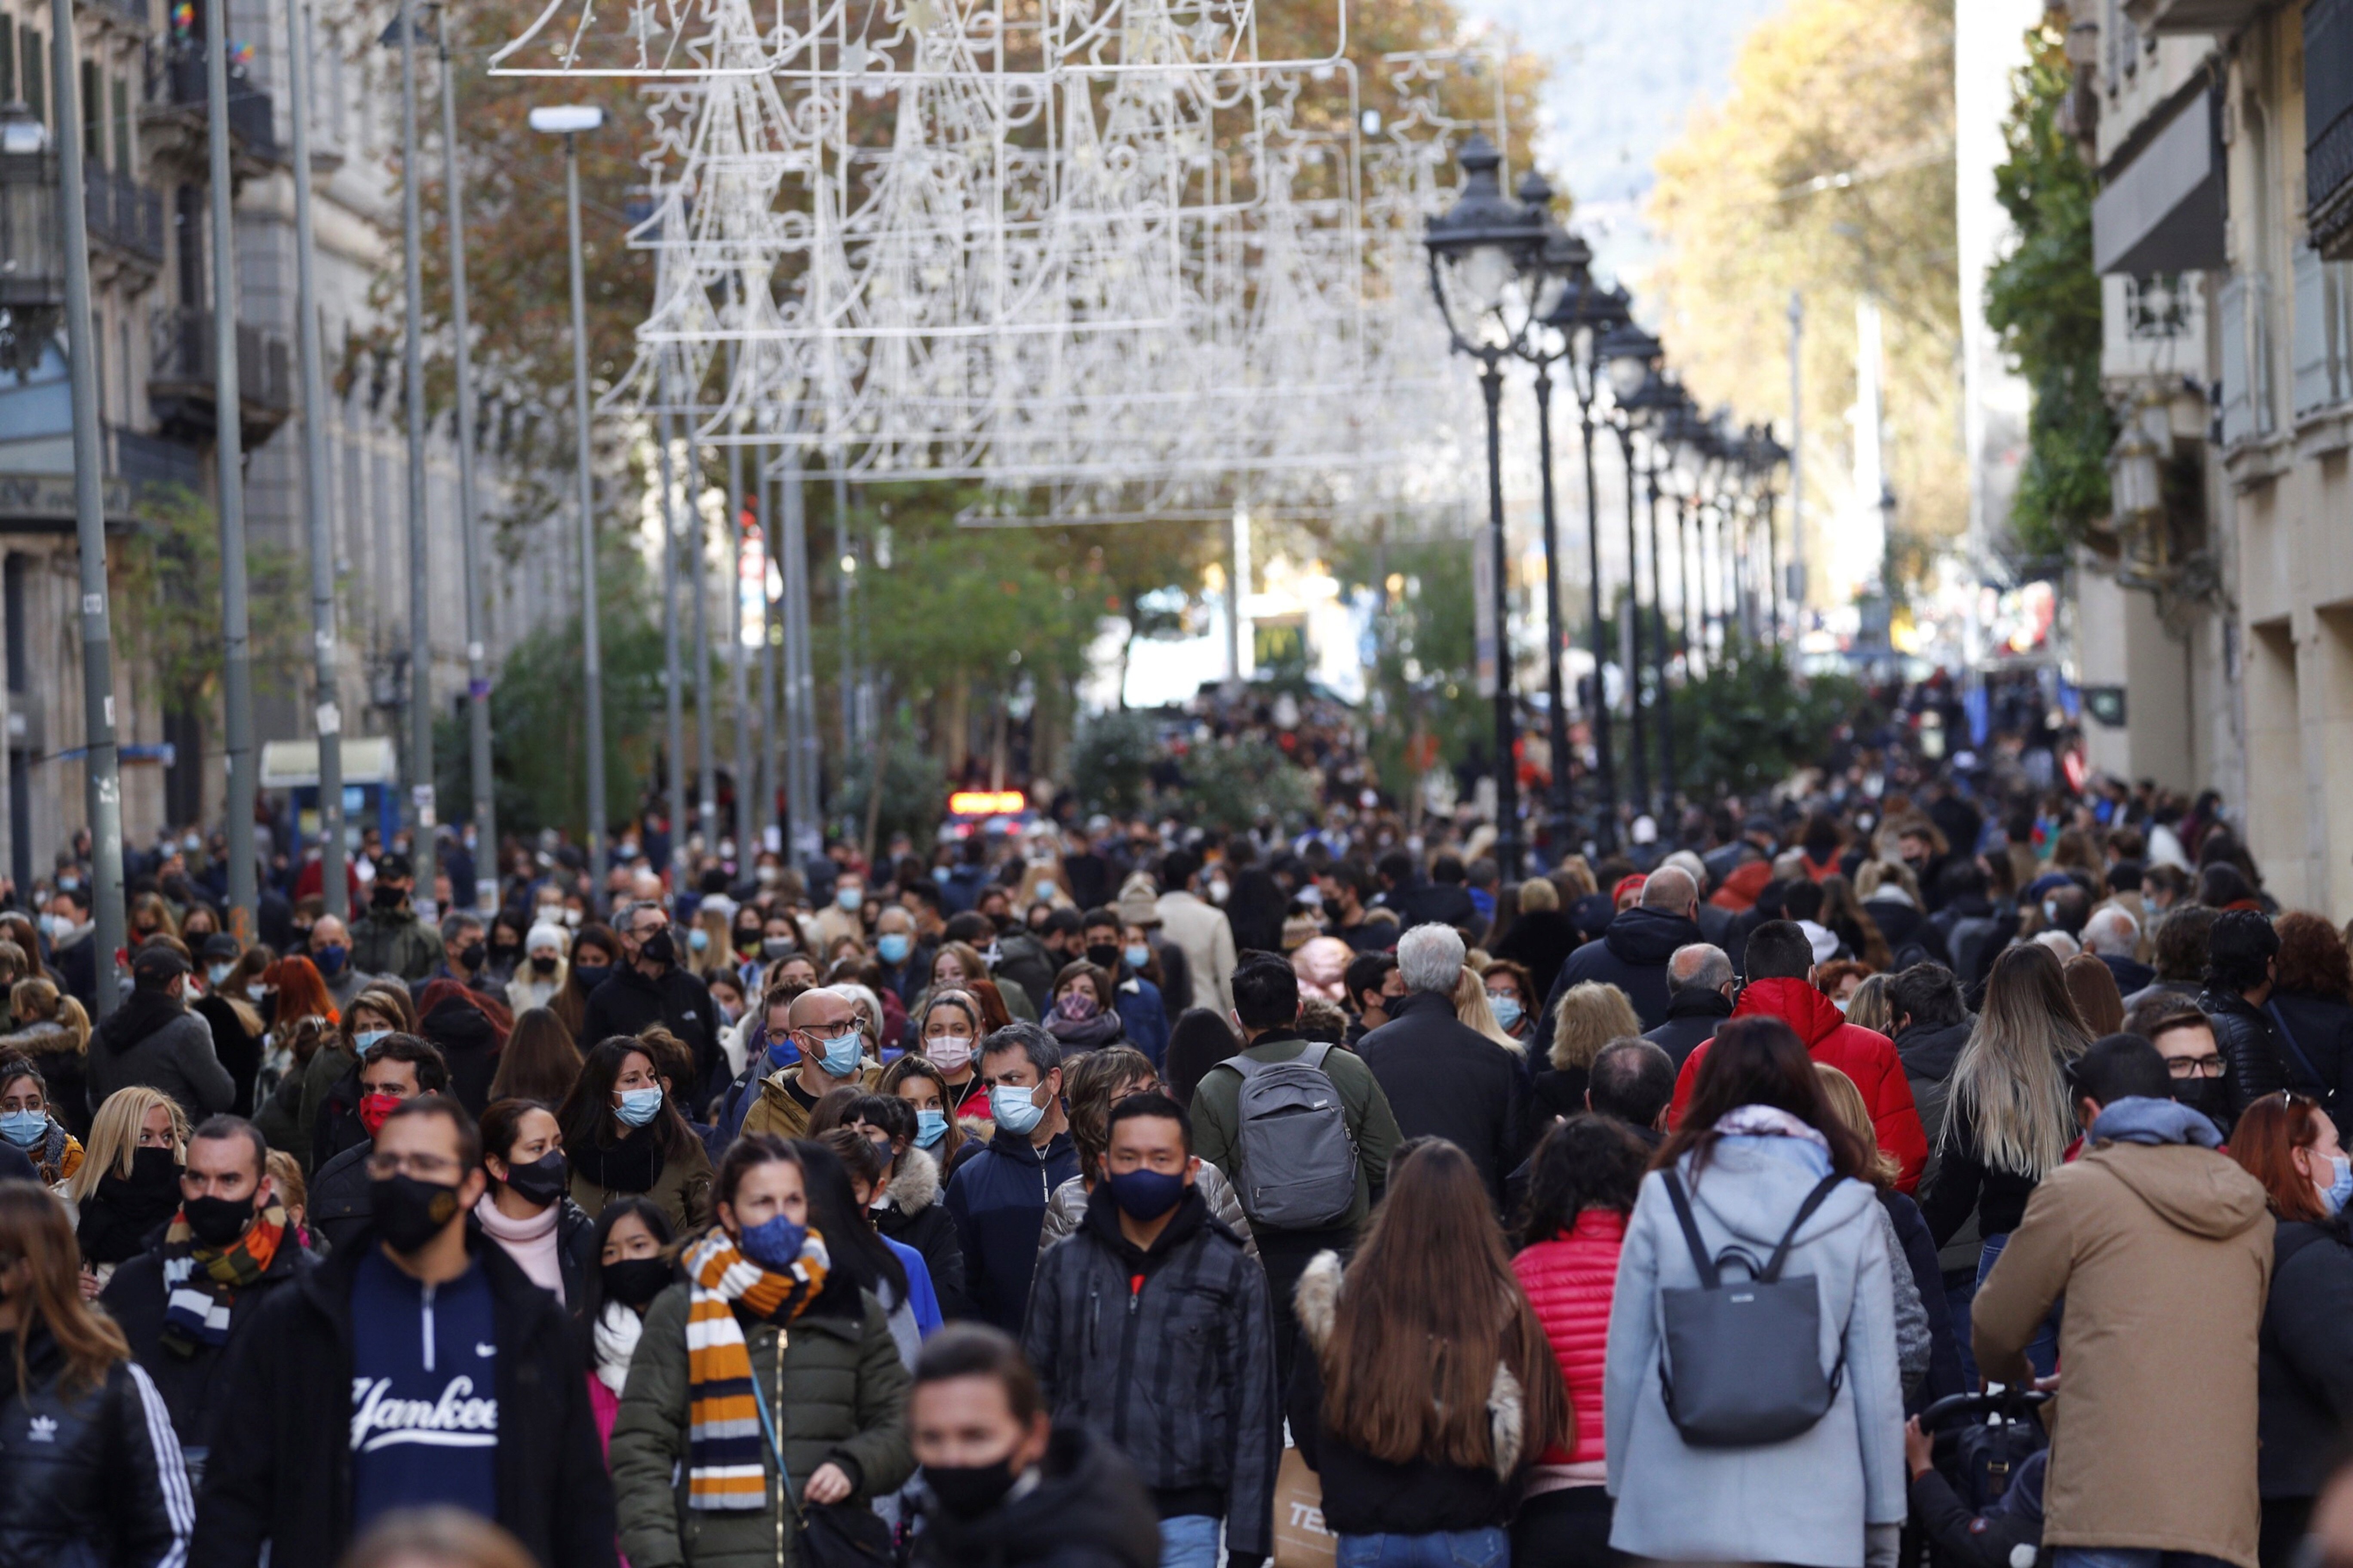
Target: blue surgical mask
{"points": [[639, 1106], [1137, 956], [842, 1053], [851, 898], [939, 875], [894, 946], [217, 972], [25, 1129], [698, 938], [931, 1126], [1014, 1110], [1507, 1010], [774, 1245], [2339, 1193], [367, 1038], [782, 1052]]}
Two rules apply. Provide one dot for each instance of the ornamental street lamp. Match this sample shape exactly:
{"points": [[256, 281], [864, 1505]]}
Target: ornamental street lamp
{"points": [[1629, 355], [1764, 455], [1478, 248], [1584, 314]]}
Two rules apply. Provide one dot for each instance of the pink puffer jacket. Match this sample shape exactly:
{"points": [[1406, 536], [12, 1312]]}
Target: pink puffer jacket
{"points": [[1569, 1280]]}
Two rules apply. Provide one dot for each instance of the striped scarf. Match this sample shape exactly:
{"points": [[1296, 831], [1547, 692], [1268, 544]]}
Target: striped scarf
{"points": [[201, 1283], [723, 1438]]}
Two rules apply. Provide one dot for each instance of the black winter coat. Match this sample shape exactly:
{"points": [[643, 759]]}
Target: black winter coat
{"points": [[2257, 1066], [1944, 1375], [914, 1217], [2130, 974], [2305, 1366], [1445, 1079], [287, 1480], [629, 1003], [91, 1477], [342, 1198], [2317, 1031], [1631, 955], [190, 1384], [1168, 1353], [1692, 1015], [998, 1201], [1088, 1511]]}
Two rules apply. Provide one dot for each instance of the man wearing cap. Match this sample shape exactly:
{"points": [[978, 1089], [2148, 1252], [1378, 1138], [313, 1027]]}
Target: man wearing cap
{"points": [[389, 939], [153, 1041]]}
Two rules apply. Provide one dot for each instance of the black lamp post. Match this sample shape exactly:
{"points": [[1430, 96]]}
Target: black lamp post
{"points": [[1677, 474], [1629, 355], [1478, 248], [1765, 454]]}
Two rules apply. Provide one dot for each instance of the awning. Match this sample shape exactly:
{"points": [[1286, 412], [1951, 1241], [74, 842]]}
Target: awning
{"points": [[2161, 206]]}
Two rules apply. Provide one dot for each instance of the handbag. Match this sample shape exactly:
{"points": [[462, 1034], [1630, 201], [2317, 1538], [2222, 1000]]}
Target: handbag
{"points": [[831, 1535], [1741, 1363]]}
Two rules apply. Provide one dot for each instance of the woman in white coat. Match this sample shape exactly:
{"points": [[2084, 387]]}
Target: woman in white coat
{"points": [[1758, 1137]]}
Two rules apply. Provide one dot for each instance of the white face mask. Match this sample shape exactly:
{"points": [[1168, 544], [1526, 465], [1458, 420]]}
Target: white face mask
{"points": [[949, 1053]]}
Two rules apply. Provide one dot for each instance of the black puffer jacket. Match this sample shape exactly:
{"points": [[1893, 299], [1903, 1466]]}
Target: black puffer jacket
{"points": [[342, 1197], [2244, 1034], [1631, 955], [1088, 1511], [2304, 1367], [90, 1477], [914, 1217], [630, 1002]]}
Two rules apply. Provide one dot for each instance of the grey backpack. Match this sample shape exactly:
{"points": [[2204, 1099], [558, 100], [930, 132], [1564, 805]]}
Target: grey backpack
{"points": [[1298, 1161]]}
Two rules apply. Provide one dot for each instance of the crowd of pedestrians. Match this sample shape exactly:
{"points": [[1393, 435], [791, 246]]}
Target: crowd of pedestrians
{"points": [[1914, 1167]]}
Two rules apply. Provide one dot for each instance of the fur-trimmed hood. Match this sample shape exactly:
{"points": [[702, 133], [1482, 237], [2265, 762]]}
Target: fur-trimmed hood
{"points": [[914, 1186], [1317, 1304]]}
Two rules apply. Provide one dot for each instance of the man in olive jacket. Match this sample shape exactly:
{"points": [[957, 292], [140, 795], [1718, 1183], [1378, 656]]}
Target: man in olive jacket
{"points": [[2162, 1247]]}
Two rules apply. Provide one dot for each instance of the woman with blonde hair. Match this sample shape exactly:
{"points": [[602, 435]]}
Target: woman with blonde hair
{"points": [[1473, 1011], [52, 1032], [106, 1482], [1590, 1014], [129, 1180]]}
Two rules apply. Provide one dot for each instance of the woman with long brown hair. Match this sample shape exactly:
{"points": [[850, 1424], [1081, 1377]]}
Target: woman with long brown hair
{"points": [[540, 1061], [107, 1482], [1762, 1161], [53, 1032], [1425, 1386]]}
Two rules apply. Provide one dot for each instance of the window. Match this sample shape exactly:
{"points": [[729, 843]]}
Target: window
{"points": [[122, 127], [12, 604], [36, 74], [7, 62], [2323, 360], [93, 115], [2246, 360]]}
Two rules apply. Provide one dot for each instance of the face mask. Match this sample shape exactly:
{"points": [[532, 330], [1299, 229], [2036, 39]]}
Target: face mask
{"points": [[1507, 1010], [2340, 1187], [776, 947], [2207, 1096], [374, 1109], [634, 1281], [1136, 956], [931, 1126], [25, 1129], [697, 940], [257, 991], [367, 1038], [1077, 1006], [506, 950], [841, 1058], [1045, 893], [385, 898], [747, 942], [217, 972], [949, 1053], [69, 884], [940, 873], [541, 1181], [2051, 910], [1840, 1003], [782, 1052], [1014, 1110], [473, 955], [894, 946], [767, 875], [1217, 891], [572, 918], [329, 959], [543, 962], [591, 976], [410, 1213], [968, 1492], [154, 1169], [851, 898], [775, 1246], [52, 926], [217, 1221], [1104, 956], [658, 948], [1147, 1195], [638, 1106]]}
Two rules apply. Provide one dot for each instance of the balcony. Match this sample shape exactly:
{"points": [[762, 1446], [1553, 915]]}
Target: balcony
{"points": [[2161, 18], [2328, 127], [123, 214], [183, 93], [187, 359]]}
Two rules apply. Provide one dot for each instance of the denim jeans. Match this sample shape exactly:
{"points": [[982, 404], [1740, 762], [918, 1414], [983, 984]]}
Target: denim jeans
{"points": [[1487, 1548], [2129, 1557], [1190, 1541], [2042, 1351]]}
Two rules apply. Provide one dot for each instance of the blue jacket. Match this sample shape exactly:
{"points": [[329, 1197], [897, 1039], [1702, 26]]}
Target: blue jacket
{"points": [[997, 1200], [1143, 1016]]}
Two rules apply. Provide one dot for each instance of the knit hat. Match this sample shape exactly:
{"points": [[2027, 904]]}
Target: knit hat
{"points": [[1139, 901], [545, 935]]}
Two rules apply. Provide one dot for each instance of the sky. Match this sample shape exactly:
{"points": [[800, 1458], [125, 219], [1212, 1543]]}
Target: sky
{"points": [[1657, 58]]}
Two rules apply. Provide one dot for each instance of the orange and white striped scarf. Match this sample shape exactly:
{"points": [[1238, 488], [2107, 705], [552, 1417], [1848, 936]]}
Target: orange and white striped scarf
{"points": [[723, 1441]]}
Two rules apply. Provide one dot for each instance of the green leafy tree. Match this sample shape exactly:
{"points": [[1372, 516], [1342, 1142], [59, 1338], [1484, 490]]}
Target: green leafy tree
{"points": [[1230, 785], [1422, 684], [1111, 760], [2045, 301], [1748, 723], [168, 603], [914, 786]]}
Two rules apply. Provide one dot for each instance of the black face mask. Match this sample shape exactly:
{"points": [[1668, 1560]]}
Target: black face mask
{"points": [[217, 1221], [659, 948], [541, 1181], [591, 976], [544, 963], [968, 1492], [385, 898], [634, 1281], [1104, 958], [747, 942], [508, 950], [154, 1168], [2210, 1097], [473, 955], [410, 1213]]}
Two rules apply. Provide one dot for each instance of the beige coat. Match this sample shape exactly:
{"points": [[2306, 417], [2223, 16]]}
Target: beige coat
{"points": [[778, 1113], [2164, 1254]]}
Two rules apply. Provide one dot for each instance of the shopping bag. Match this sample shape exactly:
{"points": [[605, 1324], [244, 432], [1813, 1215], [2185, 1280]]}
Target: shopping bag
{"points": [[1299, 1538]]}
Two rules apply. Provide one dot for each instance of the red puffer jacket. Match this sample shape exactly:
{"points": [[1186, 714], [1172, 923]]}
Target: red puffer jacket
{"points": [[1569, 1280]]}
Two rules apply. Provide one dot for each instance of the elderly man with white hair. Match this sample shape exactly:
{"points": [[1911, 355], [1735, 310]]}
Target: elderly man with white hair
{"points": [[1442, 1078], [2112, 936]]}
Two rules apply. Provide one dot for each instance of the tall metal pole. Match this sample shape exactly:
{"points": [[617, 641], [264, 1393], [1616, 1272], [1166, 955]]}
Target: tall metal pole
{"points": [[329, 713], [1693, 663], [805, 835], [236, 659], [1772, 573], [469, 527], [737, 689], [706, 770], [1605, 833], [764, 803], [1797, 456], [421, 586], [845, 589], [674, 703], [1637, 748], [1557, 721], [101, 780], [1507, 782], [1660, 649], [592, 652]]}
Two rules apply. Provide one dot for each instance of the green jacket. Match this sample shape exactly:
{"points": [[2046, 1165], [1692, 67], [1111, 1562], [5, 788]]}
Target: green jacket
{"points": [[837, 1392], [1216, 1118], [394, 942]]}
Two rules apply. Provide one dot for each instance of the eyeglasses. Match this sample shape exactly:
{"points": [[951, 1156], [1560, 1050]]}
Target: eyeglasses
{"points": [[2208, 1066], [424, 1167]]}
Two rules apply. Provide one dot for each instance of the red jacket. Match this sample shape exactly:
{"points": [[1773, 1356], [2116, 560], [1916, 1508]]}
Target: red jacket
{"points": [[1569, 1280], [1864, 1055]]}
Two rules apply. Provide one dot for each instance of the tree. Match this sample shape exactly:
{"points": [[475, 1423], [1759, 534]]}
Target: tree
{"points": [[168, 603], [1748, 724], [2044, 298]]}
